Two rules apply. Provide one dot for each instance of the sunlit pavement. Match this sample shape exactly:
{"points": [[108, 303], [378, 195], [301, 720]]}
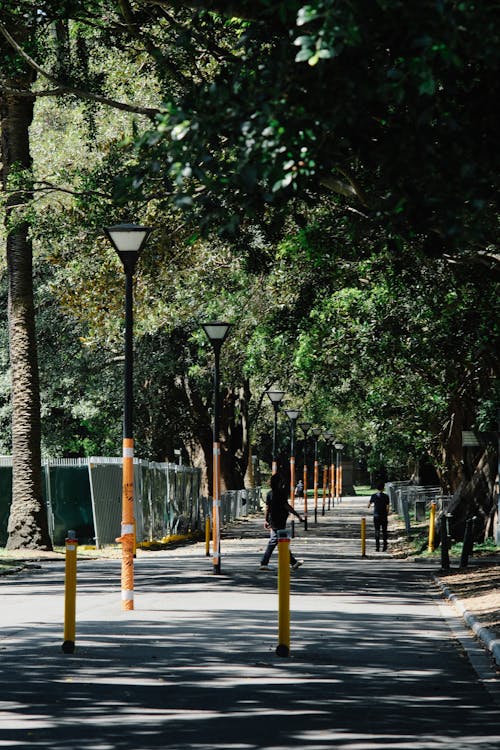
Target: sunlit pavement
{"points": [[373, 664]]}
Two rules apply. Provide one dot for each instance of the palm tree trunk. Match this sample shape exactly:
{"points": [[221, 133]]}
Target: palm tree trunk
{"points": [[27, 526]]}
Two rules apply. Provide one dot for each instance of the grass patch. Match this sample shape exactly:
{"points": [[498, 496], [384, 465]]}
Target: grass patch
{"points": [[363, 490]]}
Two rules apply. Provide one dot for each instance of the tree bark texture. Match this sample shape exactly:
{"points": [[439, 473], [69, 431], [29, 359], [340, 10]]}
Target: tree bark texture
{"points": [[27, 528]]}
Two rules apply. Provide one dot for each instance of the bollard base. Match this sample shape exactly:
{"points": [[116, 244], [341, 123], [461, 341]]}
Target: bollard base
{"points": [[68, 647], [282, 650]]}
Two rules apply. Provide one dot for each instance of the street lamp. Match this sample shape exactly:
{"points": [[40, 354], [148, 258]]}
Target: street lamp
{"points": [[339, 448], [128, 240], [330, 439], [275, 397], [316, 432], [216, 333], [305, 427], [293, 415]]}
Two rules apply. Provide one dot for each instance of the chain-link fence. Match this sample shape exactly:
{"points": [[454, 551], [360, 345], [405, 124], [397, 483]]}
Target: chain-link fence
{"points": [[85, 494]]}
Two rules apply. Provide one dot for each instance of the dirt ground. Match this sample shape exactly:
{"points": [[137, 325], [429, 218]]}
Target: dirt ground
{"points": [[478, 588], [477, 585]]}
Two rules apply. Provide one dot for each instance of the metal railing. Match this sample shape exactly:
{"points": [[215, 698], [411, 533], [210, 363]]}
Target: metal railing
{"points": [[235, 504], [411, 501]]}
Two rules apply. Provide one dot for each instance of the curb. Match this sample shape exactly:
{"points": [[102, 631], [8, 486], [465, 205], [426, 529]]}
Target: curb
{"points": [[483, 634]]}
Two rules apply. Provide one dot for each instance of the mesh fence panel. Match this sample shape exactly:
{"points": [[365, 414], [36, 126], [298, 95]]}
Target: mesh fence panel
{"points": [[86, 495], [106, 490]]}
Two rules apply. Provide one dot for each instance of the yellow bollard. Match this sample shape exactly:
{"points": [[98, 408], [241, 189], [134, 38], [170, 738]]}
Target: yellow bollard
{"points": [[68, 645], [207, 536], [283, 648], [363, 537], [432, 526]]}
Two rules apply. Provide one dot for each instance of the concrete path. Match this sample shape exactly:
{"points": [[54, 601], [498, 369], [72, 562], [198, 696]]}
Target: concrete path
{"points": [[374, 664]]}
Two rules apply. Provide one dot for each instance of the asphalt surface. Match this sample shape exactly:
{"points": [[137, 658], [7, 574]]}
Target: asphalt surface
{"points": [[377, 658]]}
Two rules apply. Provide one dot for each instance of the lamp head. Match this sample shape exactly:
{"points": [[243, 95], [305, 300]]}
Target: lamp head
{"points": [[128, 240], [275, 396], [216, 332]]}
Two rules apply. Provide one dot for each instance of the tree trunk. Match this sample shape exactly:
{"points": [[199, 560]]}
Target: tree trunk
{"points": [[27, 526], [475, 496], [467, 473], [234, 442]]}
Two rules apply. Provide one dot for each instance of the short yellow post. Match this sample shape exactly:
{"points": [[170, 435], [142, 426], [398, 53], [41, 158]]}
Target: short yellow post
{"points": [[68, 645], [207, 536], [283, 648], [432, 526], [363, 537]]}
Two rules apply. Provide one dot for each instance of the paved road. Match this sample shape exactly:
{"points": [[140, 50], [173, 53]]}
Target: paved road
{"points": [[374, 664]]}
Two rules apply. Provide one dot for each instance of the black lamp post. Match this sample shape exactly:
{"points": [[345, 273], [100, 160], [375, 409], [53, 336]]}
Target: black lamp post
{"points": [[128, 240], [305, 427], [316, 432], [275, 397], [217, 333], [293, 415]]}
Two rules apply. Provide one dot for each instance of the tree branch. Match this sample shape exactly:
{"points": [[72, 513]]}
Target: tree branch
{"points": [[136, 109], [152, 49]]}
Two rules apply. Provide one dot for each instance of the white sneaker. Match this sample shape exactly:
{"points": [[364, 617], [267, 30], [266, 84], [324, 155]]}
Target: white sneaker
{"points": [[297, 564], [263, 567]]}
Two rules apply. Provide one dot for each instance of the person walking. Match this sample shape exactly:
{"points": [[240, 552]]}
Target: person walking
{"points": [[277, 511], [380, 502], [299, 489]]}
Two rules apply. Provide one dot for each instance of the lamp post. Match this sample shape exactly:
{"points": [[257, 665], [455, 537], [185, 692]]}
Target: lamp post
{"points": [[339, 447], [330, 471], [326, 471], [305, 427], [128, 240], [275, 397], [316, 432], [293, 415], [330, 440], [216, 333]]}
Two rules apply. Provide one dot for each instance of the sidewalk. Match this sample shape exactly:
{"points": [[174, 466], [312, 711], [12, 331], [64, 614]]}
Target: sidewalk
{"points": [[373, 665]]}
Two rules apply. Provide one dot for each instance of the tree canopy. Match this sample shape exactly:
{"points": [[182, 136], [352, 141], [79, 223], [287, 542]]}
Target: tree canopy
{"points": [[322, 174]]}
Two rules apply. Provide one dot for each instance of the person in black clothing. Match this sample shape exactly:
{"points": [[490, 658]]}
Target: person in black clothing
{"points": [[380, 502], [277, 511]]}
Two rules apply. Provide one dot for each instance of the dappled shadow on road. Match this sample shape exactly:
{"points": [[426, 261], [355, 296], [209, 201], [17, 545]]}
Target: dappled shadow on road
{"points": [[194, 666], [372, 666]]}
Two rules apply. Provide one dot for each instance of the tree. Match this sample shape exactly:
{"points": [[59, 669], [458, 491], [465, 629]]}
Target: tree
{"points": [[265, 183], [27, 26], [28, 521], [389, 105]]}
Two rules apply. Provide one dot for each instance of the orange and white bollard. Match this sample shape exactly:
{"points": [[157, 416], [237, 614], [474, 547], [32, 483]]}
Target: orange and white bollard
{"points": [[127, 538], [68, 645]]}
